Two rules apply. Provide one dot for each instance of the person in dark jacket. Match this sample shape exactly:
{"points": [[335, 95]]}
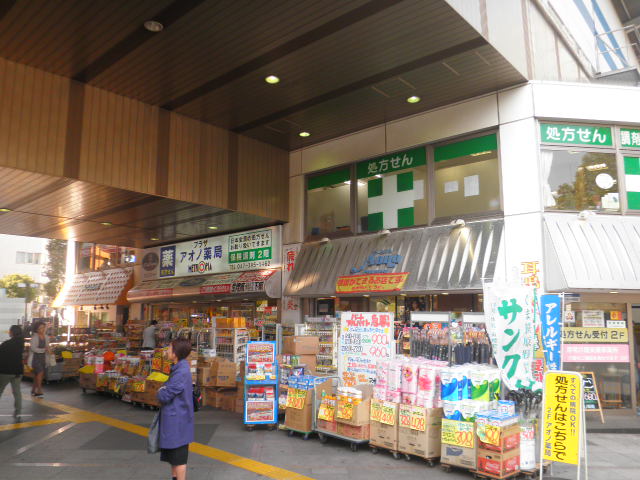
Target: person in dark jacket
{"points": [[176, 411], [11, 368]]}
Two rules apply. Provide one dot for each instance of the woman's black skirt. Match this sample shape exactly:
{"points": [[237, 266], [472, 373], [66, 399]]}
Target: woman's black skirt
{"points": [[175, 456]]}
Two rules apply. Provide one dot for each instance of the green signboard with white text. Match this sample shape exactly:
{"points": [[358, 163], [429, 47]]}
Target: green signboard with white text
{"points": [[392, 163], [576, 135], [630, 138]]}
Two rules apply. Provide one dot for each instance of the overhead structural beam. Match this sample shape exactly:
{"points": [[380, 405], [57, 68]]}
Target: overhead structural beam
{"points": [[135, 39], [354, 16], [365, 82]]}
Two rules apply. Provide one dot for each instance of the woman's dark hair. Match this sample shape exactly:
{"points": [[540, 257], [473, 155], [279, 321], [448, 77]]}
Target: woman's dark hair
{"points": [[36, 326], [16, 331], [181, 348], [153, 322]]}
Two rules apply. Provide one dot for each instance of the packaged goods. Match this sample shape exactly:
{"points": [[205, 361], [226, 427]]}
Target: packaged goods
{"points": [[507, 407], [527, 447], [382, 373], [409, 381], [452, 409], [394, 379]]}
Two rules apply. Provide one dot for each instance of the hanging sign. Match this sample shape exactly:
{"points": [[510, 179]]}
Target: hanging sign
{"points": [[551, 324], [562, 420], [365, 339], [510, 315]]}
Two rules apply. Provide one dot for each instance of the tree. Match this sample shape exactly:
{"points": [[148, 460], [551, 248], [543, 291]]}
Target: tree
{"points": [[56, 266], [19, 286]]}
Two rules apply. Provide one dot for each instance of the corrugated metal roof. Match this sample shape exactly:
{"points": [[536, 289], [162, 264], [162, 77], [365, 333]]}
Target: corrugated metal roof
{"points": [[437, 258], [601, 253]]}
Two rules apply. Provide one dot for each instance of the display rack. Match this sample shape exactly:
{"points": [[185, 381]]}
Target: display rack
{"points": [[261, 386], [328, 330], [274, 332], [231, 343]]}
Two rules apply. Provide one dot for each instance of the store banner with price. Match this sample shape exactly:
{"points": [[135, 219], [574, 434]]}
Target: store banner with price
{"points": [[296, 398], [327, 410], [388, 413], [489, 434], [365, 339], [457, 433]]}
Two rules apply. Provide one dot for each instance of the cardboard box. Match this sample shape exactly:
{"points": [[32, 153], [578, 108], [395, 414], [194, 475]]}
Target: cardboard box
{"points": [[458, 456], [327, 426], [88, 380], [204, 377], [509, 440], [239, 405], [357, 433], [424, 444], [227, 401], [301, 420], [499, 464], [301, 345], [209, 396], [385, 435], [225, 373], [362, 411]]}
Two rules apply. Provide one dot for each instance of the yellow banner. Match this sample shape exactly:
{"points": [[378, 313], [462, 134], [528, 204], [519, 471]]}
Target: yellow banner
{"points": [[374, 282], [594, 335], [457, 433], [562, 417]]}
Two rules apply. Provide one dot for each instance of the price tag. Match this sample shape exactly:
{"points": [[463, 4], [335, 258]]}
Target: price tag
{"points": [[489, 434], [404, 416], [296, 398], [388, 414], [458, 433], [345, 408], [418, 419], [327, 410], [376, 411]]}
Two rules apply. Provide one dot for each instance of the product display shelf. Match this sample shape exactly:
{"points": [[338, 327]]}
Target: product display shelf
{"points": [[231, 343], [285, 372], [328, 330], [261, 385], [274, 332]]}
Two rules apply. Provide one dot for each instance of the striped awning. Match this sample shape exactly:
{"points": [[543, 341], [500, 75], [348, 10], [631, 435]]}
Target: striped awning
{"points": [[105, 287], [442, 258]]}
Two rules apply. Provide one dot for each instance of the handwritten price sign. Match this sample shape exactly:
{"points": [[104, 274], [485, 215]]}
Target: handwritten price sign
{"points": [[388, 413], [327, 410], [296, 398], [376, 411], [345, 408], [418, 419], [489, 434], [404, 416], [457, 433]]}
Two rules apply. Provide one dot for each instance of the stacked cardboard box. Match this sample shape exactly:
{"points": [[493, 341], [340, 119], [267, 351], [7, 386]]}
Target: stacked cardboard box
{"points": [[454, 454], [88, 381], [384, 425], [358, 426], [419, 438], [504, 458], [216, 372], [301, 345]]}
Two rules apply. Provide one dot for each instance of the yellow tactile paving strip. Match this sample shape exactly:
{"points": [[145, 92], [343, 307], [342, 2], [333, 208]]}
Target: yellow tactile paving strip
{"points": [[77, 415]]}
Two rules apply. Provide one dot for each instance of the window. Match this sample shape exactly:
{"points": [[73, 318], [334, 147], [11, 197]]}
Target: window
{"points": [[580, 180], [467, 177], [392, 191], [28, 258], [632, 182], [329, 202]]}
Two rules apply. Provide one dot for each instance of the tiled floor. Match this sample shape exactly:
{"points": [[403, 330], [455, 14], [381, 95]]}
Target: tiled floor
{"points": [[95, 450]]}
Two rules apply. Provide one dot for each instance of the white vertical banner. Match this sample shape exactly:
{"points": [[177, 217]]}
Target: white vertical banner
{"points": [[510, 315], [291, 306]]}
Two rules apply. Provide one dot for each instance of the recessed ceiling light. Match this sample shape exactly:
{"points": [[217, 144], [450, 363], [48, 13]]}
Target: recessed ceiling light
{"points": [[413, 99], [613, 292], [106, 224], [153, 26], [212, 227], [272, 80], [5, 210], [304, 134], [154, 239]]}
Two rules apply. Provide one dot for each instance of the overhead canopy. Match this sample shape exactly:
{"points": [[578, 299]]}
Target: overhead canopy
{"points": [[106, 287], [219, 286], [600, 253], [440, 258]]}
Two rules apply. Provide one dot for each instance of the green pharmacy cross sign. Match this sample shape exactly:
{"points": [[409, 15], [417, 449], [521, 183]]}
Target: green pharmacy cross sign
{"points": [[576, 134]]}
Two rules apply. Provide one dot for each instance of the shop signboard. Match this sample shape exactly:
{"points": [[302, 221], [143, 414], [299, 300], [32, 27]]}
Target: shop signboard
{"points": [[510, 314], [630, 138], [551, 326], [238, 252], [595, 335], [291, 308], [591, 400], [562, 417], [593, 318], [365, 339], [616, 324], [595, 353], [576, 134], [375, 282], [392, 163]]}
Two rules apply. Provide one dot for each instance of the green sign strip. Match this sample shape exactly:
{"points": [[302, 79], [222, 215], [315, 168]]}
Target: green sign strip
{"points": [[576, 134], [632, 182], [630, 138], [392, 163], [328, 179], [486, 143], [252, 255]]}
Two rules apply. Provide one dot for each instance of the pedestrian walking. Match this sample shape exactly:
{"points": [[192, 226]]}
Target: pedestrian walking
{"points": [[176, 411], [38, 357], [11, 368], [149, 336]]}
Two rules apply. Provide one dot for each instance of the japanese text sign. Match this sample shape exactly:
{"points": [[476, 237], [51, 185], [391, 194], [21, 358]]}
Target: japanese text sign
{"points": [[551, 323], [365, 339], [630, 138], [458, 433], [392, 163], [595, 335], [376, 282], [590, 396], [595, 353], [510, 314], [576, 134], [327, 410], [296, 398], [562, 417]]}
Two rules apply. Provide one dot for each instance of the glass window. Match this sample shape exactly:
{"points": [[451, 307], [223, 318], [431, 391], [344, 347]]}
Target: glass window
{"points": [[632, 182], [392, 191], [28, 258], [329, 202], [467, 177], [580, 180]]}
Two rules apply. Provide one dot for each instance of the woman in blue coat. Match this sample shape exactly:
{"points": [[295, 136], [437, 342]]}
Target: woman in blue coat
{"points": [[176, 411]]}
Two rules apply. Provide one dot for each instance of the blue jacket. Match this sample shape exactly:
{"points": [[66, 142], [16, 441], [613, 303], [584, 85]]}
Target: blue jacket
{"points": [[176, 412]]}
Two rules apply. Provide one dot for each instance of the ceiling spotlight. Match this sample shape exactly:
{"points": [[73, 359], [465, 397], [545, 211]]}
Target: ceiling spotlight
{"points": [[212, 227], [613, 292], [413, 99], [304, 134], [272, 80], [154, 239], [153, 26], [106, 224], [3, 210]]}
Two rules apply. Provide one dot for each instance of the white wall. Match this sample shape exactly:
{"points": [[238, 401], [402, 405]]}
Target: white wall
{"points": [[11, 244]]}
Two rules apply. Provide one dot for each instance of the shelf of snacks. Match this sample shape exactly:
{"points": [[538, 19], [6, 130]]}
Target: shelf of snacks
{"points": [[328, 331], [231, 343]]}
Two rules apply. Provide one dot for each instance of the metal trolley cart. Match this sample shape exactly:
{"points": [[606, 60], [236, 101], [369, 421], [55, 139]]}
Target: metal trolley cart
{"points": [[261, 385]]}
